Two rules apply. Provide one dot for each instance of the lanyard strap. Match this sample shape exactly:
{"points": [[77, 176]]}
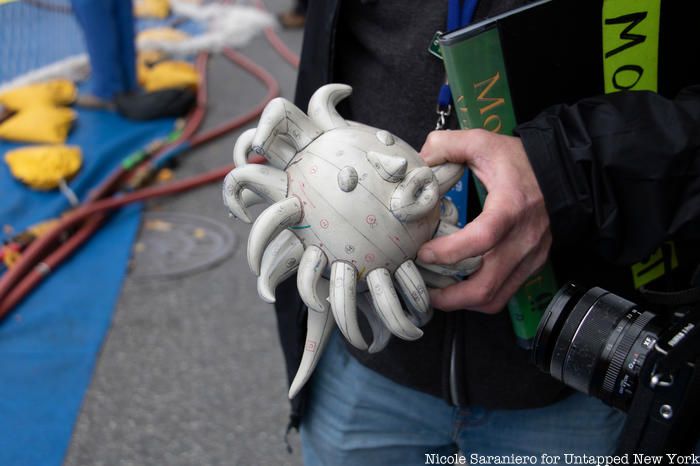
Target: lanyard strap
{"points": [[459, 14]]}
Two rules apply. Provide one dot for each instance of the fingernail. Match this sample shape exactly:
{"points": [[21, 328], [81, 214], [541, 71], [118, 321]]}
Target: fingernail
{"points": [[427, 256]]}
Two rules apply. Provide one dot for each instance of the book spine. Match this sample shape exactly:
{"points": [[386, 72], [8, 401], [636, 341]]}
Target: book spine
{"points": [[477, 75]]}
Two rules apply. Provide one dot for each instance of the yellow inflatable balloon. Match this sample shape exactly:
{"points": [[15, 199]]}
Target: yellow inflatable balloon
{"points": [[168, 74], [48, 125], [50, 93], [43, 167], [159, 9]]}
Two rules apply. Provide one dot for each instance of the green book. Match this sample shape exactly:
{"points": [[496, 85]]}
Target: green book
{"points": [[508, 68], [479, 83]]}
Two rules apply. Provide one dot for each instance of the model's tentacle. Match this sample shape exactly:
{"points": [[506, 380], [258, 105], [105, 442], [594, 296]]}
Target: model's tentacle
{"points": [[244, 143], [436, 280], [420, 319], [392, 168], [448, 211], [249, 198], [342, 297], [312, 288], [415, 196], [271, 222], [412, 287], [280, 259], [268, 182], [282, 132], [380, 334], [322, 106], [447, 175], [388, 306], [319, 327]]}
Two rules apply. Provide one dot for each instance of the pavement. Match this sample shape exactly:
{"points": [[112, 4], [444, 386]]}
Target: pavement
{"points": [[191, 372]]}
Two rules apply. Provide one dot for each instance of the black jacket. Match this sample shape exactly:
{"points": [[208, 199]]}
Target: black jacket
{"points": [[620, 174]]}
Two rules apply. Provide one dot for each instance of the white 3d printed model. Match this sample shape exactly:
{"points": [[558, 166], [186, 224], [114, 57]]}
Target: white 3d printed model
{"points": [[351, 207]]}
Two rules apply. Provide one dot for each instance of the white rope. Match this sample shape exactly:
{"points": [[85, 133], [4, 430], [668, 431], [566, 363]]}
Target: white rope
{"points": [[225, 26], [68, 193]]}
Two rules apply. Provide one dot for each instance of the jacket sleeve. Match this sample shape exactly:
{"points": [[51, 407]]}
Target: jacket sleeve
{"points": [[621, 172]]}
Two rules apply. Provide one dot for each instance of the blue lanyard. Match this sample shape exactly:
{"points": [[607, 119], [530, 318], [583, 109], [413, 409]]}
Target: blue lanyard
{"points": [[459, 14]]}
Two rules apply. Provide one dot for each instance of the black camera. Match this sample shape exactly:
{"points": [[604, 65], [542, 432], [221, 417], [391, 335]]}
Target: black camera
{"points": [[644, 362]]}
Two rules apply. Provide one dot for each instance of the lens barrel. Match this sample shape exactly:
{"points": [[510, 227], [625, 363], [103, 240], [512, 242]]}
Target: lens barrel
{"points": [[595, 342]]}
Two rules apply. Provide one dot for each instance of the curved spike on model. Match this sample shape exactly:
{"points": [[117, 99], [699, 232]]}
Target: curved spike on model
{"points": [[388, 306], [283, 131], [342, 297], [322, 106], [243, 146], [351, 206], [271, 222], [412, 287], [392, 168], [309, 281], [319, 327], [279, 262], [380, 334], [267, 182], [415, 196]]}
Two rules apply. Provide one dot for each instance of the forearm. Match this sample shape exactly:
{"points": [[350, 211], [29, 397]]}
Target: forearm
{"points": [[621, 172]]}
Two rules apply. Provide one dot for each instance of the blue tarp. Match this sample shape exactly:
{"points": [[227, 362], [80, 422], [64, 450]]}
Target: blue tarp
{"points": [[49, 344]]}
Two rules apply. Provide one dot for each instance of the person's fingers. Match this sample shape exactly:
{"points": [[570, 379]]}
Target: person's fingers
{"points": [[476, 238], [450, 146], [483, 286], [487, 293]]}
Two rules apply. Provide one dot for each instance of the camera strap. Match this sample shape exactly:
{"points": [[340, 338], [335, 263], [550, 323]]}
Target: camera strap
{"points": [[672, 299]]}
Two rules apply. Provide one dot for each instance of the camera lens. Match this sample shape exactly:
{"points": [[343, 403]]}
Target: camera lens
{"points": [[595, 342]]}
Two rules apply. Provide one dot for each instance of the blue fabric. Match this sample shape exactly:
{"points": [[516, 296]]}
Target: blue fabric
{"points": [[31, 37], [358, 417], [108, 28], [49, 343]]}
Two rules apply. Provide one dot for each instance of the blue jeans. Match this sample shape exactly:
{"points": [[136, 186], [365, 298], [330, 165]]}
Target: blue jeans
{"points": [[358, 417], [108, 28]]}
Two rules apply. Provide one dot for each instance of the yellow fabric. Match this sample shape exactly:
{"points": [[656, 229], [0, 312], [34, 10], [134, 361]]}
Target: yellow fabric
{"points": [[43, 167], [10, 257], [159, 9], [162, 35], [144, 60], [41, 228], [55, 92], [168, 74], [48, 125]]}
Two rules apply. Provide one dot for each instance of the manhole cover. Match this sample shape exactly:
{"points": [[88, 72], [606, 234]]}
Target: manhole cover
{"points": [[174, 244]]}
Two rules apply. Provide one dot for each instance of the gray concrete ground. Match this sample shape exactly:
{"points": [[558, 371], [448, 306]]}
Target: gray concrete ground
{"points": [[191, 372]]}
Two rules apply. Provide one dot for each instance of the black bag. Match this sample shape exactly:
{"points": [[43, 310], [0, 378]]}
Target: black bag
{"points": [[165, 103]]}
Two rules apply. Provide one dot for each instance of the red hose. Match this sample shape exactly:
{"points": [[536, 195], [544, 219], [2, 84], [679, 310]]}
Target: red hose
{"points": [[43, 268], [272, 92], [277, 43], [281, 48]]}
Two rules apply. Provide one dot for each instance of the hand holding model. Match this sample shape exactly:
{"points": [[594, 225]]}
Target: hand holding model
{"points": [[512, 232]]}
